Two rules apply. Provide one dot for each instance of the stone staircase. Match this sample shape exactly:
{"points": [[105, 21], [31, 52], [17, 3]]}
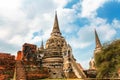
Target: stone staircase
{"points": [[20, 71], [78, 72]]}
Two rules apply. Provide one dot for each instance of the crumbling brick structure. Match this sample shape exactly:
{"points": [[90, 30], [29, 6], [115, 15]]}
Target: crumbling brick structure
{"points": [[7, 65], [29, 51]]}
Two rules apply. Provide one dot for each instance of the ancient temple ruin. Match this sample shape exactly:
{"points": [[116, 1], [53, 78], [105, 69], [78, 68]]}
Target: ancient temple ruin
{"points": [[52, 60]]}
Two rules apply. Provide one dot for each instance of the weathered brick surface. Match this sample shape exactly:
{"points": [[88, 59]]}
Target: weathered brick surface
{"points": [[29, 51], [19, 55], [34, 71], [7, 65], [20, 71]]}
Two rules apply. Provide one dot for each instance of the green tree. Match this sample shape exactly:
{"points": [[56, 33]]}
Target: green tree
{"points": [[108, 60]]}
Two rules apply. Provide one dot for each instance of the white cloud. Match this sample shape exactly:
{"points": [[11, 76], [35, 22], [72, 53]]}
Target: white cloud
{"points": [[10, 9], [84, 38], [16, 39], [7, 4], [77, 43], [106, 32], [4, 33], [61, 3], [85, 35], [116, 23], [89, 7]]}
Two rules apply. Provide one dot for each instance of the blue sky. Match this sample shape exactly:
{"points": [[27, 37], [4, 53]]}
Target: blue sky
{"points": [[32, 20]]}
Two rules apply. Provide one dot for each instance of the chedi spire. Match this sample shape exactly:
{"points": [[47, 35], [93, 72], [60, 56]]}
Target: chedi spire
{"points": [[42, 46], [56, 30], [98, 44]]}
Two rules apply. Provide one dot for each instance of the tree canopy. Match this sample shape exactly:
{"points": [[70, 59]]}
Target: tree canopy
{"points": [[108, 60]]}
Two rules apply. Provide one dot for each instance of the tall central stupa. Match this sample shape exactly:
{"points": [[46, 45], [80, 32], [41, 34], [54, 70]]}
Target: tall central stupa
{"points": [[57, 56]]}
